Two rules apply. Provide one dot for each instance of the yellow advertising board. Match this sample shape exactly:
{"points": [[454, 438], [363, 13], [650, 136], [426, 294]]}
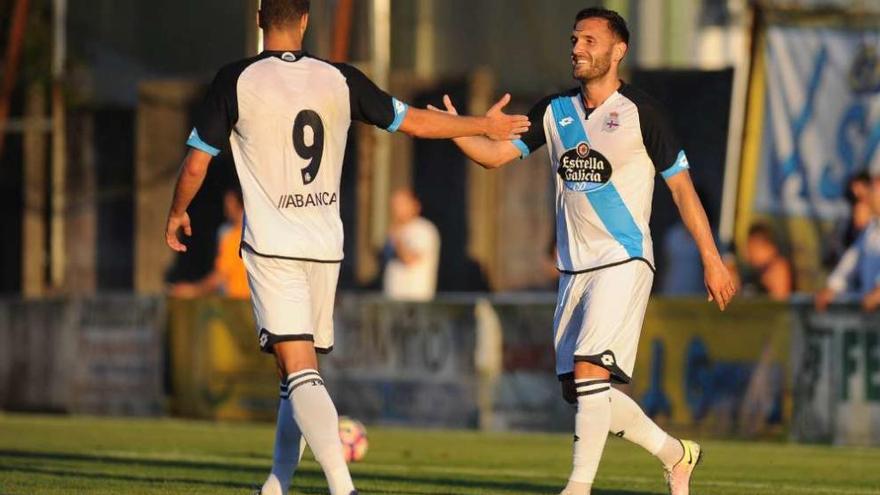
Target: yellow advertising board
{"points": [[721, 372], [217, 370]]}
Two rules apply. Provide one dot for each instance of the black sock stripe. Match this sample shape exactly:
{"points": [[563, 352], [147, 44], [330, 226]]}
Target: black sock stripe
{"points": [[293, 377], [594, 391], [304, 381], [284, 395], [587, 383], [309, 378], [294, 383]]}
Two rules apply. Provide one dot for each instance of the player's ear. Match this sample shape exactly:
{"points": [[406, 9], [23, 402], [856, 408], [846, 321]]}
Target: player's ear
{"points": [[303, 23], [620, 49]]}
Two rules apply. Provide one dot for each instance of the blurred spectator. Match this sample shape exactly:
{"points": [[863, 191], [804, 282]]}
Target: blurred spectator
{"points": [[858, 196], [845, 233], [858, 271], [769, 271], [228, 276], [683, 265], [412, 251]]}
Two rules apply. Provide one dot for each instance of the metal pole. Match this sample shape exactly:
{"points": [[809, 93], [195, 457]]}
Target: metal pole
{"points": [[425, 39], [381, 47], [735, 131], [59, 146]]}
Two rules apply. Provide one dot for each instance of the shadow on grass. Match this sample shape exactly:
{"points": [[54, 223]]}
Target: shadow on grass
{"points": [[304, 473]]}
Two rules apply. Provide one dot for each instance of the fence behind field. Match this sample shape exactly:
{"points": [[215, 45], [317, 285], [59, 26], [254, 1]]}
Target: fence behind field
{"points": [[90, 356], [759, 369]]}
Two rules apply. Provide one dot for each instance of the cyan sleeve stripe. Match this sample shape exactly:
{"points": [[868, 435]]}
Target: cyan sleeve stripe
{"points": [[196, 142], [400, 109], [681, 163], [521, 146]]}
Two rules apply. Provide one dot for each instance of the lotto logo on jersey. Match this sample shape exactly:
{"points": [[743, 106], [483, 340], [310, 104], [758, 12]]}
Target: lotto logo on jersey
{"points": [[583, 168], [566, 121]]}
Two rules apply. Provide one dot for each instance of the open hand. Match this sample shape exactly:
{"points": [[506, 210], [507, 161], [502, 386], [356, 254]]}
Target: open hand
{"points": [[823, 299], [871, 301], [175, 223], [719, 284], [502, 127], [447, 102]]}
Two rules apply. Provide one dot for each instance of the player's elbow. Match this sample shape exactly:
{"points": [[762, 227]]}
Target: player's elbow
{"points": [[195, 164], [194, 169], [491, 163]]}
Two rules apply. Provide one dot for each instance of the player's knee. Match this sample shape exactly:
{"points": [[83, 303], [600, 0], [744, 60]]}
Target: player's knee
{"points": [[584, 370], [293, 356], [569, 392]]}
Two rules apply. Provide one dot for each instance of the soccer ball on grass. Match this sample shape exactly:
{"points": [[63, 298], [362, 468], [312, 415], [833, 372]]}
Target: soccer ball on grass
{"points": [[354, 439]]}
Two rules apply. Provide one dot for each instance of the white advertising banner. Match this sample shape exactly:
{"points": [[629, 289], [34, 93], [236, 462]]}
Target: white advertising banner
{"points": [[821, 119]]}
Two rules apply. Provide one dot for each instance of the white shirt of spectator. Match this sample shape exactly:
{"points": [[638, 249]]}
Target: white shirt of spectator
{"points": [[847, 270], [416, 281]]}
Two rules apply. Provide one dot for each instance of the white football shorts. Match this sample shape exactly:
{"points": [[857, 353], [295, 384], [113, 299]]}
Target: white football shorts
{"points": [[599, 317], [292, 299]]}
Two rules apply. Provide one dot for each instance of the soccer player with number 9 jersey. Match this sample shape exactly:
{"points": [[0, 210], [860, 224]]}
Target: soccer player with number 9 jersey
{"points": [[285, 116]]}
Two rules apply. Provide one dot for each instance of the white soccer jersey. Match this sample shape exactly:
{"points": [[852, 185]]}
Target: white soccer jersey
{"points": [[605, 160], [286, 117]]}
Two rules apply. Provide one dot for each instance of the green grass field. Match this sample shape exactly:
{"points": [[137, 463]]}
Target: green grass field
{"points": [[72, 455]]}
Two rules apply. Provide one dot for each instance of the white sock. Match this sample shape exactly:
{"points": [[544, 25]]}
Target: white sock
{"points": [[575, 488], [591, 426], [630, 422], [287, 452], [316, 416]]}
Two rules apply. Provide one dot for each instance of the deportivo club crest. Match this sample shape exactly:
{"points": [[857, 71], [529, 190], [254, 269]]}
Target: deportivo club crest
{"points": [[612, 122], [583, 168]]}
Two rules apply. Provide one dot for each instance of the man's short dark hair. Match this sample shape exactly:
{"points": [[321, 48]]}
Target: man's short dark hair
{"points": [[282, 13], [615, 22], [761, 230]]}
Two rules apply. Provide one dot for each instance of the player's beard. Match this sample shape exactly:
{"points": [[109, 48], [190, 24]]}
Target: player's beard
{"points": [[596, 69]]}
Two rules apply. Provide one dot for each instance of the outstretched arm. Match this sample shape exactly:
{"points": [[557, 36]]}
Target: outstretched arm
{"points": [[192, 174], [441, 125], [485, 152], [719, 283]]}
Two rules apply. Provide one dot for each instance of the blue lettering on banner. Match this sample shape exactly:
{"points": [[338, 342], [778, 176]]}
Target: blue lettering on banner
{"points": [[845, 148], [780, 170]]}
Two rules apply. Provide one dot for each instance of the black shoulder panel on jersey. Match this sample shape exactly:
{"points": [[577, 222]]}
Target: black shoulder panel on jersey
{"points": [[535, 137], [660, 139], [218, 113], [369, 104]]}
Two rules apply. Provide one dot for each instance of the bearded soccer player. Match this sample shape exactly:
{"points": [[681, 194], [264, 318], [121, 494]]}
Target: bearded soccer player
{"points": [[606, 141], [286, 115]]}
